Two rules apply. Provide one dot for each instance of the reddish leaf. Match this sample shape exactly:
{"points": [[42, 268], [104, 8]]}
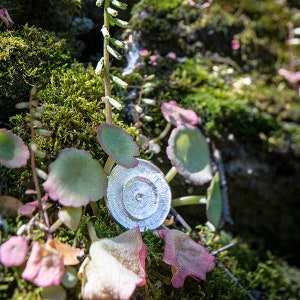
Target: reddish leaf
{"points": [[28, 208], [4, 16], [187, 257], [178, 116]]}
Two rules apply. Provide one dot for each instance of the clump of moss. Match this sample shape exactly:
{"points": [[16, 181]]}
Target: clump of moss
{"points": [[246, 106], [261, 274], [251, 268], [27, 57], [73, 111]]}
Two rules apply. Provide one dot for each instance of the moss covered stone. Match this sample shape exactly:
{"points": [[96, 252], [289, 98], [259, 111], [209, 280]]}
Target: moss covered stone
{"points": [[27, 57], [73, 111]]}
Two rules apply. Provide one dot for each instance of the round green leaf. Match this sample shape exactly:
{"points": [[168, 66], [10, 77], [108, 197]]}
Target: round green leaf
{"points": [[189, 154], [75, 178], [119, 144], [13, 152]]}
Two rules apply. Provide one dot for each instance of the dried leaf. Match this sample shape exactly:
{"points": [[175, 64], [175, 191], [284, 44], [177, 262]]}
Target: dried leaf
{"points": [[70, 254], [9, 205], [115, 267]]}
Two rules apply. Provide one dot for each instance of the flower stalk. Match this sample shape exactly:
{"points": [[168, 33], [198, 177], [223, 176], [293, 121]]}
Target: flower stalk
{"points": [[108, 107], [32, 157]]}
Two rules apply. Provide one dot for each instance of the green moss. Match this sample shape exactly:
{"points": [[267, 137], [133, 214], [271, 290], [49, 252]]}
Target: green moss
{"points": [[73, 111], [275, 279], [270, 277], [207, 83], [260, 273], [105, 226], [27, 57]]}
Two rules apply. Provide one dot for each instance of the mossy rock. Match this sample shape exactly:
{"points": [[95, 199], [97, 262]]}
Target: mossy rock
{"points": [[73, 111], [260, 273], [27, 57]]}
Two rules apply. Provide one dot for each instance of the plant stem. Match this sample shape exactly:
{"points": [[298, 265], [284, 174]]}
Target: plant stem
{"points": [[95, 208], [92, 232], [189, 200], [163, 133], [55, 225], [109, 164], [215, 252], [2, 177], [171, 174], [33, 166], [180, 219], [108, 108], [137, 114]]}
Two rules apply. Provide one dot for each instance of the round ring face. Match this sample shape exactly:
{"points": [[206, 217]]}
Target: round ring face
{"points": [[138, 196]]}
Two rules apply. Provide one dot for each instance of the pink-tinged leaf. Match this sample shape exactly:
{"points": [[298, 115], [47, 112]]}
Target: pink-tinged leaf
{"points": [[28, 208], [75, 178], [178, 116], [4, 16], [13, 252], [45, 266], [13, 152], [119, 144], [292, 77], [115, 267], [187, 257], [30, 192]]}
